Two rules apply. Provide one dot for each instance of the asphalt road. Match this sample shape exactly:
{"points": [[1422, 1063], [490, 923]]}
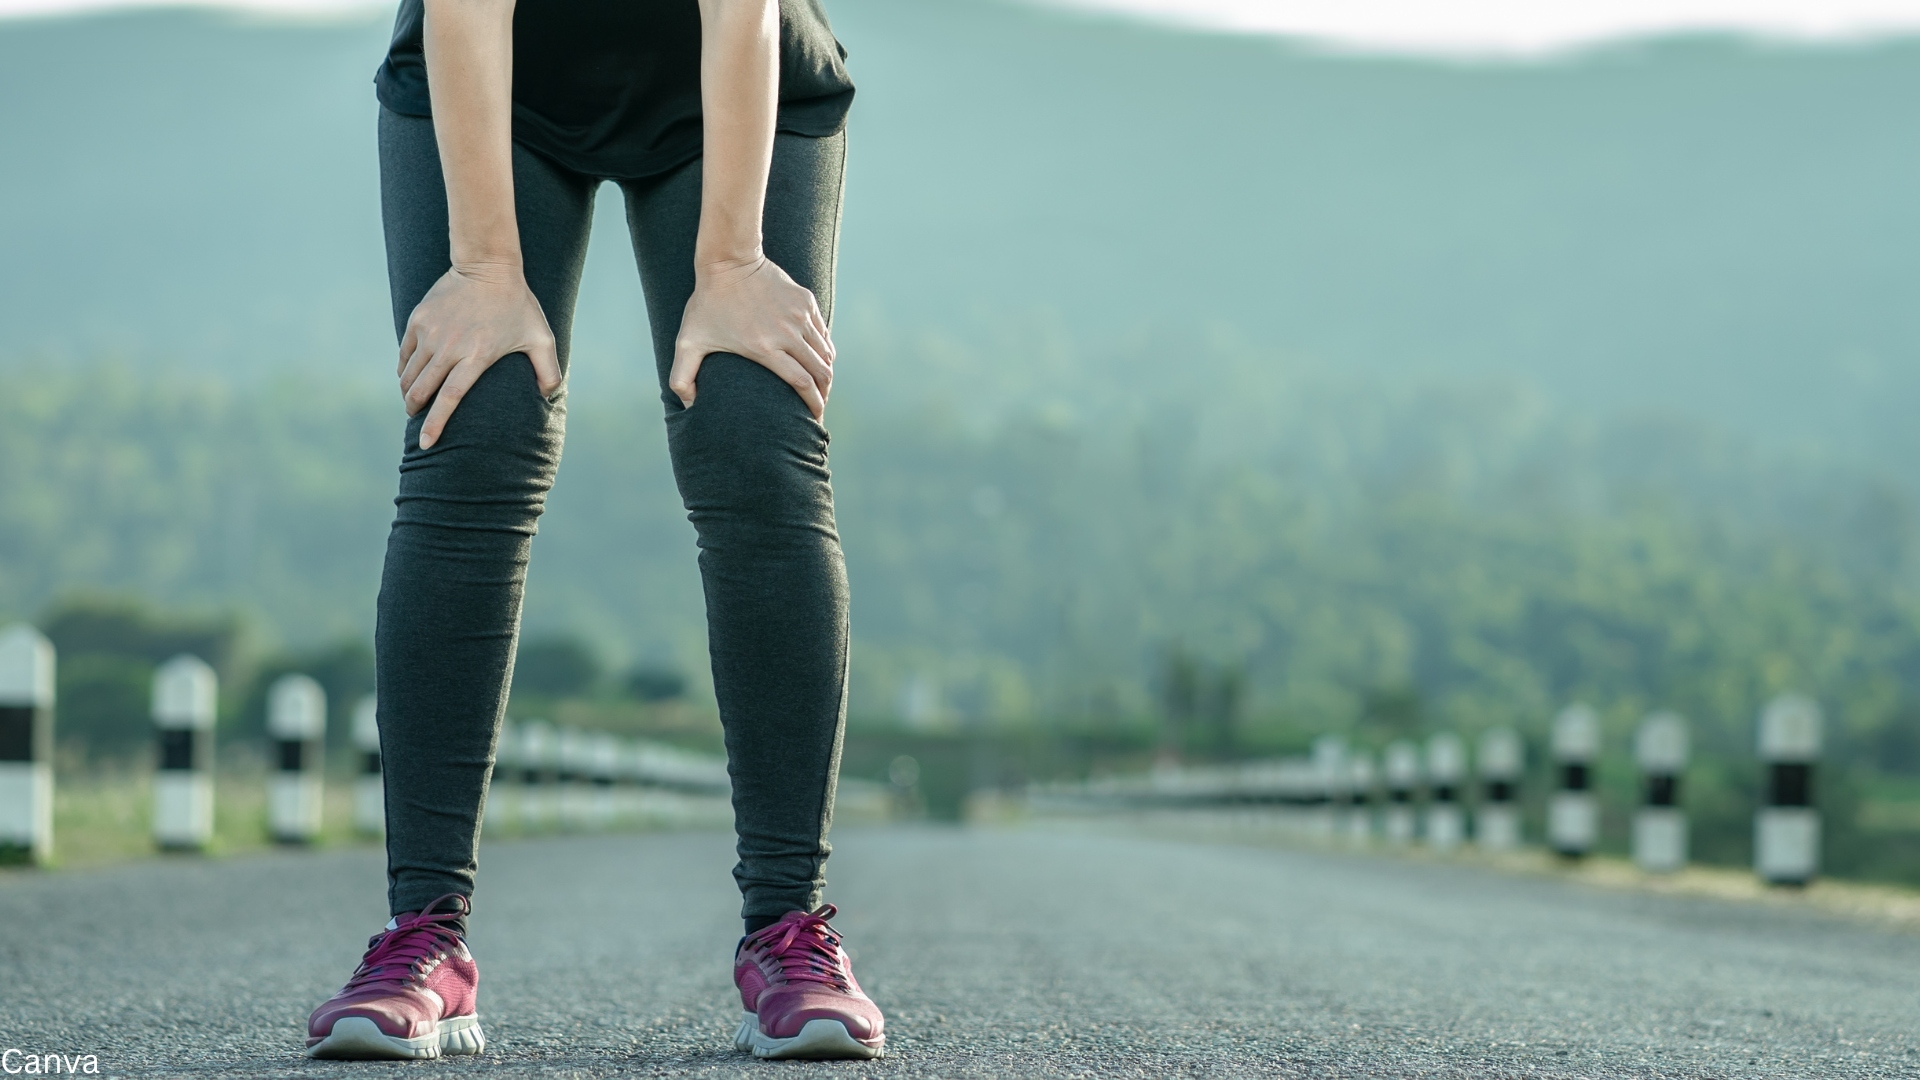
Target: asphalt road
{"points": [[996, 953]]}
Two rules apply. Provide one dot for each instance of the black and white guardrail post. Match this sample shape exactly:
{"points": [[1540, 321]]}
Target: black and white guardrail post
{"points": [[1573, 813], [26, 745], [1446, 774], [369, 785], [503, 784], [603, 770], [1360, 797], [1786, 829], [629, 779], [1660, 825], [1330, 783], [297, 723], [537, 803], [1402, 768], [1496, 823], [185, 700], [572, 760]]}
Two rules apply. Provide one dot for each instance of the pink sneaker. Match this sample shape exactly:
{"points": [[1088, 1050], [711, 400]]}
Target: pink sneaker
{"points": [[801, 1000], [411, 997]]}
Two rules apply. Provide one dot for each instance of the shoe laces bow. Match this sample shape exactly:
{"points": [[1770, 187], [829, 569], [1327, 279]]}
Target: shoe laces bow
{"points": [[806, 947], [409, 951]]}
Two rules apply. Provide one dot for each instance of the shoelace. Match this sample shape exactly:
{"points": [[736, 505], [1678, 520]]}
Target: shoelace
{"points": [[397, 956], [806, 947]]}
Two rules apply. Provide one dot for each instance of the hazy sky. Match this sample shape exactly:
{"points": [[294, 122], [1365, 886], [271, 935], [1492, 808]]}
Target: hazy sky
{"points": [[1523, 27], [1460, 27]]}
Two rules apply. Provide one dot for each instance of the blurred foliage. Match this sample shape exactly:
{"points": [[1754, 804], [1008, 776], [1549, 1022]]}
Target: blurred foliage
{"points": [[194, 496], [103, 700], [653, 683], [558, 666], [124, 626], [344, 670], [948, 765], [1377, 557], [1311, 552], [1390, 712], [108, 647], [1895, 746], [1200, 703]]}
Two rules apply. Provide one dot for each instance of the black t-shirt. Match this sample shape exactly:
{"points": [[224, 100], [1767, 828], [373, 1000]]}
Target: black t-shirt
{"points": [[612, 87]]}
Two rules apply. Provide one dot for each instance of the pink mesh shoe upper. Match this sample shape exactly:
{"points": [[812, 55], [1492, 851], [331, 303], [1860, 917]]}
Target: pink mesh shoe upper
{"points": [[795, 971], [411, 977]]}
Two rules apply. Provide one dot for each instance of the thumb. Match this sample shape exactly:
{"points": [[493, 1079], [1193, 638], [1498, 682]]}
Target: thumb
{"points": [[687, 358], [546, 366]]}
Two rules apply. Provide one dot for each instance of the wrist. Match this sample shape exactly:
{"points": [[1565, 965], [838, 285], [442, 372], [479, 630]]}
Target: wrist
{"points": [[708, 265], [492, 269]]}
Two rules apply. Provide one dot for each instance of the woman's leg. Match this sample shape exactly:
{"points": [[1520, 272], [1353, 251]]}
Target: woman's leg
{"points": [[449, 610], [751, 463]]}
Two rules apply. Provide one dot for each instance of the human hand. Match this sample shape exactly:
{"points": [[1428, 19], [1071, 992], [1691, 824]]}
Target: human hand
{"points": [[466, 322], [753, 309]]}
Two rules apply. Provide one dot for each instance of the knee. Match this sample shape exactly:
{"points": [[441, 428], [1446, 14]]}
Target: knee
{"points": [[749, 446], [496, 459]]}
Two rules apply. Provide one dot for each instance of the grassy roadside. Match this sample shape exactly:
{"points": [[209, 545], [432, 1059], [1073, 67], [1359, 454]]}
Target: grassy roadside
{"points": [[1894, 907], [106, 816]]}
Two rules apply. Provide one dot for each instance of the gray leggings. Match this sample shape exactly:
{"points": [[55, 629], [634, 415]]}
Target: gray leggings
{"points": [[751, 464]]}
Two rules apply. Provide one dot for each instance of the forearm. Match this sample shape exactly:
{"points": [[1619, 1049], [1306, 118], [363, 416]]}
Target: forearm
{"points": [[739, 94], [469, 54]]}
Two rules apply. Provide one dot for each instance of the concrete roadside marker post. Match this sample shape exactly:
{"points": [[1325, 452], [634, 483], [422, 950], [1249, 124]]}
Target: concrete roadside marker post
{"points": [[1446, 775], [634, 777], [538, 804], [297, 724], [1360, 798], [640, 772], [503, 783], [603, 768], [1279, 800], [1660, 825], [1402, 768], [625, 782], [1573, 813], [26, 745], [186, 695], [369, 786], [1330, 781], [560, 768], [1786, 828], [570, 775], [1496, 823]]}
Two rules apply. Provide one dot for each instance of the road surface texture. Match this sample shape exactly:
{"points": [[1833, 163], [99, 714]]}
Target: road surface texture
{"points": [[1046, 951]]}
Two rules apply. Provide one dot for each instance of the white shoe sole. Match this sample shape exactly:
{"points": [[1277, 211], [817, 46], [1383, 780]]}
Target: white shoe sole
{"points": [[356, 1038], [819, 1040]]}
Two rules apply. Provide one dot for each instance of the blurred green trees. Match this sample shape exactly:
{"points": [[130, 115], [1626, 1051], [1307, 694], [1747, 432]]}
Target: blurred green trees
{"points": [[653, 683], [560, 665], [1298, 552], [1308, 552], [108, 647]]}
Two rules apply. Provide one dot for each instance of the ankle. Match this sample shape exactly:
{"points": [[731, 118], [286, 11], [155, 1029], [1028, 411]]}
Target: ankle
{"points": [[458, 924], [757, 923]]}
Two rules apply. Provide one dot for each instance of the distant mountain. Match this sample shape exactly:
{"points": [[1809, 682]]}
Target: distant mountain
{"points": [[1705, 228]]}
